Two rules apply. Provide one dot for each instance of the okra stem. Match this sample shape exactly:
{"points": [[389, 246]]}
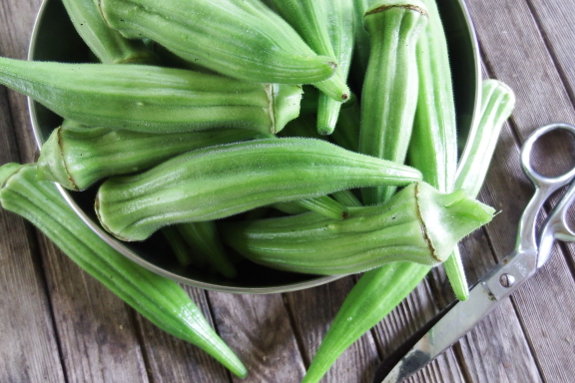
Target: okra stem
{"points": [[160, 300]]}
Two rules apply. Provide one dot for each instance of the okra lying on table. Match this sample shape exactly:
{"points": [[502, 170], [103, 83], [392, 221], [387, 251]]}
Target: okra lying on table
{"points": [[418, 224], [160, 300], [217, 182], [150, 98]]}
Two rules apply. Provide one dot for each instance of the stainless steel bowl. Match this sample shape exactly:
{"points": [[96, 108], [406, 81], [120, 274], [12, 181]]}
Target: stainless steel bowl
{"points": [[54, 39]]}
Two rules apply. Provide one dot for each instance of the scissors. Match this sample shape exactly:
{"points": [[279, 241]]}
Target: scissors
{"points": [[531, 252]]}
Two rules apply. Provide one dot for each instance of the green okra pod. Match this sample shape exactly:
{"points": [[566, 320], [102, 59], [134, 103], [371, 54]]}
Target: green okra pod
{"points": [[241, 39], [497, 103], [77, 156], [150, 98], [389, 95], [217, 182], [107, 44], [418, 224], [158, 299], [204, 239], [179, 246]]}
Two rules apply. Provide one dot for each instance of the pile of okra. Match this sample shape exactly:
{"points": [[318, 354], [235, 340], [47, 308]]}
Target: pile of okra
{"points": [[315, 137]]}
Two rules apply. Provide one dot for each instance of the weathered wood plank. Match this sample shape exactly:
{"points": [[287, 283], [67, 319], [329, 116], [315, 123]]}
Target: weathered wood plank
{"points": [[16, 22], [517, 54]]}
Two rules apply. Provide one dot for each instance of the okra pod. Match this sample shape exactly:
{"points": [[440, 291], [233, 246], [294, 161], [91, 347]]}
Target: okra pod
{"points": [[77, 156], [497, 102], [217, 182], [418, 224], [241, 39], [389, 95], [204, 239], [179, 246], [150, 98], [107, 44], [160, 300]]}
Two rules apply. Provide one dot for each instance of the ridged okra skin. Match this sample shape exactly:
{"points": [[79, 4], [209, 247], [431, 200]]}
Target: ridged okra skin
{"points": [[221, 181], [107, 44], [239, 38], [418, 224], [77, 156], [390, 90], [158, 299], [149, 98]]}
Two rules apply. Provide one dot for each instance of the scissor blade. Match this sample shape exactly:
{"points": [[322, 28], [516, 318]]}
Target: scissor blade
{"points": [[455, 322], [449, 329]]}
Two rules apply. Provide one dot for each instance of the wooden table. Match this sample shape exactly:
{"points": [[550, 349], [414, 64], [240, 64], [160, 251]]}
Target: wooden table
{"points": [[59, 325]]}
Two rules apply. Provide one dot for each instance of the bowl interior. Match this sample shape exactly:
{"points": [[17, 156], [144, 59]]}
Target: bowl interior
{"points": [[54, 39]]}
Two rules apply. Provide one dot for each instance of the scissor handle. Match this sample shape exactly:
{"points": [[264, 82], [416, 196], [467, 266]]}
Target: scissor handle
{"points": [[544, 187]]}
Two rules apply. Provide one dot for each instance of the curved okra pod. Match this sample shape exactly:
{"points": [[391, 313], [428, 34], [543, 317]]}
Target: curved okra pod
{"points": [[158, 299], [241, 39], [221, 181], [149, 98], [107, 44], [380, 290], [389, 95], [497, 103], [77, 156], [204, 240], [418, 224], [323, 205], [326, 27]]}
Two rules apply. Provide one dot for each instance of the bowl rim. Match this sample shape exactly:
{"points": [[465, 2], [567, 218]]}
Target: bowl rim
{"points": [[130, 254]]}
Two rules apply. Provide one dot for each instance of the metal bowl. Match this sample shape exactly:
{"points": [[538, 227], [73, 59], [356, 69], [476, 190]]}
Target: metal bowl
{"points": [[54, 39]]}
